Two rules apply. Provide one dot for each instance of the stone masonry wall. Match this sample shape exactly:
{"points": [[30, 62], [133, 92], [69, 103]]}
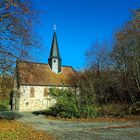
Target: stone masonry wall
{"points": [[38, 102]]}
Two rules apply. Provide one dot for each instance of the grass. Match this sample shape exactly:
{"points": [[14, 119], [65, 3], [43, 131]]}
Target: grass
{"points": [[4, 105], [9, 115], [13, 130]]}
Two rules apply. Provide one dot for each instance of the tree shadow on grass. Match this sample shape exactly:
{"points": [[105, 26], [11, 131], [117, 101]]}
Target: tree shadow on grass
{"points": [[46, 113], [41, 112], [9, 115]]}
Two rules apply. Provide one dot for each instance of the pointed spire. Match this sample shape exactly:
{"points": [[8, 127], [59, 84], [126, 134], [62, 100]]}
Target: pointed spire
{"points": [[55, 59], [54, 48]]}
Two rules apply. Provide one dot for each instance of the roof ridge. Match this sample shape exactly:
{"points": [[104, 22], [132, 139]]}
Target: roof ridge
{"points": [[40, 63], [32, 62], [66, 66]]}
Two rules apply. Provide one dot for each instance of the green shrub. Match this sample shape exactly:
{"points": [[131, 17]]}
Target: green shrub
{"points": [[56, 92], [89, 111], [69, 106], [66, 105], [4, 105]]}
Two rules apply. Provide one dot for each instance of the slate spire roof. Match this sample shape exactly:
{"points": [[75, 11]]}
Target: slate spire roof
{"points": [[54, 48]]}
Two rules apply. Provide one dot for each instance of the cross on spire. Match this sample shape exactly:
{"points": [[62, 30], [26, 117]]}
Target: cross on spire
{"points": [[54, 27]]}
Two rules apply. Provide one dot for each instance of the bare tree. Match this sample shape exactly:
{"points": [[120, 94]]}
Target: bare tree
{"points": [[126, 54], [98, 56], [16, 38]]}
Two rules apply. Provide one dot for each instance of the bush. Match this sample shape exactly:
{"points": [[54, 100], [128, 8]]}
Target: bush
{"points": [[134, 110], [115, 110], [66, 104], [69, 106], [118, 110], [56, 92], [89, 111], [4, 105]]}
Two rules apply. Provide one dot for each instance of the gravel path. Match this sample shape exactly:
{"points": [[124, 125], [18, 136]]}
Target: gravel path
{"points": [[63, 130]]}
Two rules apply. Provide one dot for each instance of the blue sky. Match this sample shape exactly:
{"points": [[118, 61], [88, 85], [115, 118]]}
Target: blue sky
{"points": [[79, 23]]}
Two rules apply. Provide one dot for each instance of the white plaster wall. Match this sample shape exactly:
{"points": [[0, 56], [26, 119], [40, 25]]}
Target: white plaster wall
{"points": [[55, 65], [38, 102]]}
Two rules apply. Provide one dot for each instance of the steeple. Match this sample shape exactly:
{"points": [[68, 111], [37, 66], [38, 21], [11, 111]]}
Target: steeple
{"points": [[55, 59]]}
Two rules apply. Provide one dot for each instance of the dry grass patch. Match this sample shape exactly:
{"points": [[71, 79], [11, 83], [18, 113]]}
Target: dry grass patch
{"points": [[99, 119], [13, 130]]}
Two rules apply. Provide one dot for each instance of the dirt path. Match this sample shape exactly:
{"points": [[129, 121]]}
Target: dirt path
{"points": [[64, 130]]}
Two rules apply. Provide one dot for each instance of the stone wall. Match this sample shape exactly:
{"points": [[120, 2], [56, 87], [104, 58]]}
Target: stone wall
{"points": [[24, 102]]}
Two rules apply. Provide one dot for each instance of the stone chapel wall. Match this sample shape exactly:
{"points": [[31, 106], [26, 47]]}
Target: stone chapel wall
{"points": [[38, 101]]}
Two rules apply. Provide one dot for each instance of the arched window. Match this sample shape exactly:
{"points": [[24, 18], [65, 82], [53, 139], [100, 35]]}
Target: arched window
{"points": [[46, 92], [32, 92]]}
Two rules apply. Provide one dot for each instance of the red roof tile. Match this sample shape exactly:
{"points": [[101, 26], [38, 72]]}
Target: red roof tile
{"points": [[30, 73]]}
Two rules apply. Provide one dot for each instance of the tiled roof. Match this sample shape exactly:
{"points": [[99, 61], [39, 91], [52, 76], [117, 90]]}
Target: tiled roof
{"points": [[29, 73]]}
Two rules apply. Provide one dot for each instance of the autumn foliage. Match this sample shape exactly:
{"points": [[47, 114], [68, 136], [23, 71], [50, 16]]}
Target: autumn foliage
{"points": [[110, 84], [13, 130]]}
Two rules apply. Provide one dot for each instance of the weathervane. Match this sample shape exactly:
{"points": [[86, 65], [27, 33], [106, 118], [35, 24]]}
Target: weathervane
{"points": [[54, 27]]}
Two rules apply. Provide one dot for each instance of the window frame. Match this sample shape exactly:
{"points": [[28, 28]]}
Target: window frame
{"points": [[32, 92]]}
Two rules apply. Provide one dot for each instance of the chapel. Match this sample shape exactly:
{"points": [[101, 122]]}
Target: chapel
{"points": [[33, 81]]}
